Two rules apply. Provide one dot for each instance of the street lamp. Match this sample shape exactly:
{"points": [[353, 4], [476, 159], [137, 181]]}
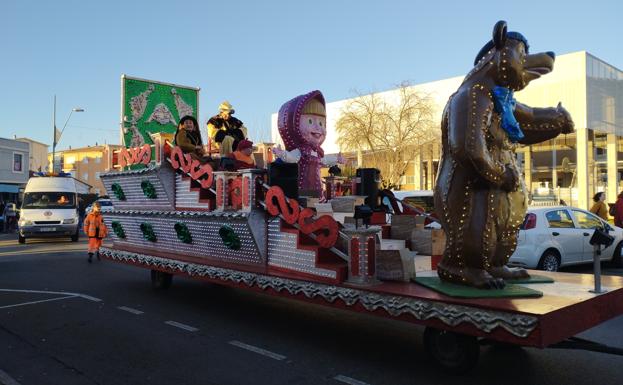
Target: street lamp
{"points": [[57, 134]]}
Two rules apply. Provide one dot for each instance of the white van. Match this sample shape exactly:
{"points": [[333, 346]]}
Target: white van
{"points": [[49, 208]]}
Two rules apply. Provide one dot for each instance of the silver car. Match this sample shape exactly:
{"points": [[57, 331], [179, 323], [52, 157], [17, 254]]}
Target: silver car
{"points": [[551, 237]]}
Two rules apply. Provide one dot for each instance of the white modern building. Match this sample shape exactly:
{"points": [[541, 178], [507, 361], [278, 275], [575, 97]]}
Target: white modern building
{"points": [[573, 167]]}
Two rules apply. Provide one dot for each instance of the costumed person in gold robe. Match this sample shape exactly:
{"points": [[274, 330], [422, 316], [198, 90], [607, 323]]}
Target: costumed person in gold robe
{"points": [[226, 130]]}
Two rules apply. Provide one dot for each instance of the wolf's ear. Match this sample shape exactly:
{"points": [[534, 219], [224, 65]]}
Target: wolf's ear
{"points": [[499, 34]]}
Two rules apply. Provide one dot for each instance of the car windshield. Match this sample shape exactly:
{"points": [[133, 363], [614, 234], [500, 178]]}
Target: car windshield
{"points": [[49, 200], [426, 203]]}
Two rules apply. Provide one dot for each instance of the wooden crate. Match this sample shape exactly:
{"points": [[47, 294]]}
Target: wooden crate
{"points": [[403, 225], [428, 241]]}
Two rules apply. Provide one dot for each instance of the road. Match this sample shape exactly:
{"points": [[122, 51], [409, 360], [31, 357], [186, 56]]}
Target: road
{"points": [[64, 321]]}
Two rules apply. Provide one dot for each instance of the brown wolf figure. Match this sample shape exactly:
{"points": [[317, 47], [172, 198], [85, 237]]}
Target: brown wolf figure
{"points": [[480, 196]]}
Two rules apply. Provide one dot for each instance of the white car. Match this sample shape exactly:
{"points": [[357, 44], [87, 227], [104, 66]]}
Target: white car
{"points": [[105, 206], [551, 237]]}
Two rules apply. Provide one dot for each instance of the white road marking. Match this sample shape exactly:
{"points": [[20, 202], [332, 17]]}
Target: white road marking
{"points": [[5, 379], [32, 252], [84, 296], [182, 326], [257, 350], [348, 380], [129, 310], [41, 301]]}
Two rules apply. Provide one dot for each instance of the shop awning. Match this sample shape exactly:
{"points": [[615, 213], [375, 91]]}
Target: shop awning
{"points": [[9, 188]]}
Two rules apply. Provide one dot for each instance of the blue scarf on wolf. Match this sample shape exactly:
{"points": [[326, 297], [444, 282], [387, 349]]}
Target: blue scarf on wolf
{"points": [[504, 104]]}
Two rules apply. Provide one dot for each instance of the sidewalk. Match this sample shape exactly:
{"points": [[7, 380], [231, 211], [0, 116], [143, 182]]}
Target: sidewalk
{"points": [[6, 236]]}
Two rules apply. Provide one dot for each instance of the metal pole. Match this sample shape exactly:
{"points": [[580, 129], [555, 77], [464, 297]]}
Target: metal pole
{"points": [[554, 171], [597, 269], [54, 135]]}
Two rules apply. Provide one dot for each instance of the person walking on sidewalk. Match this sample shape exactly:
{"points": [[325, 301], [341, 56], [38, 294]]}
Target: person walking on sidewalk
{"points": [[95, 229], [599, 208]]}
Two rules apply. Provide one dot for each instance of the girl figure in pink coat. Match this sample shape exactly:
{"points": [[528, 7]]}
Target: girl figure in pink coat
{"points": [[302, 126]]}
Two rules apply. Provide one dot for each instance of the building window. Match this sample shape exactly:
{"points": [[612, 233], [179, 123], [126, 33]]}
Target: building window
{"points": [[18, 162], [97, 175], [85, 176], [98, 159]]}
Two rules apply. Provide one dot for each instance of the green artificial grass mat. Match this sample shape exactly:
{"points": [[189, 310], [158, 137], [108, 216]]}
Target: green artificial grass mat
{"points": [[454, 290]]}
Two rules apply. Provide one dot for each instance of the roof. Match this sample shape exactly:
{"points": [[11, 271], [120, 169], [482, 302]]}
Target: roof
{"points": [[32, 141]]}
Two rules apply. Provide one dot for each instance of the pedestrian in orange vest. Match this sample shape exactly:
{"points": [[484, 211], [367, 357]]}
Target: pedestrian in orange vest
{"points": [[95, 229]]}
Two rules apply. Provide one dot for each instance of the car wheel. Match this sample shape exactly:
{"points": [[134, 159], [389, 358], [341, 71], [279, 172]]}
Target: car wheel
{"points": [[616, 260], [550, 261], [21, 239]]}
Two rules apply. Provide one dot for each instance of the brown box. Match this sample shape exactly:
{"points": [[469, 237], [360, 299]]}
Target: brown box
{"points": [[428, 241], [389, 265], [343, 204], [403, 225]]}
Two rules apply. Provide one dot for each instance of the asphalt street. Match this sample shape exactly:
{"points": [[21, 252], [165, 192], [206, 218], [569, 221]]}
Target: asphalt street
{"points": [[64, 321]]}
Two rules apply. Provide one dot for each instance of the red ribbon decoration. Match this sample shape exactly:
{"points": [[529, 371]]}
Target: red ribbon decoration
{"points": [[201, 173], [135, 155], [291, 212]]}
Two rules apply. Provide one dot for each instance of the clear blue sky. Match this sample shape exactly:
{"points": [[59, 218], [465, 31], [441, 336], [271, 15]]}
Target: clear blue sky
{"points": [[257, 54]]}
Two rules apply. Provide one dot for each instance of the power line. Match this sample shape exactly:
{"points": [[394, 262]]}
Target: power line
{"points": [[93, 128]]}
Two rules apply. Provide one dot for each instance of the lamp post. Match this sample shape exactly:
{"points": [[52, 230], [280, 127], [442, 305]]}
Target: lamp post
{"points": [[56, 137]]}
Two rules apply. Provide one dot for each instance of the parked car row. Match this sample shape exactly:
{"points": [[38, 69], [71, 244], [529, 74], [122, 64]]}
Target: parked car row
{"points": [[552, 237]]}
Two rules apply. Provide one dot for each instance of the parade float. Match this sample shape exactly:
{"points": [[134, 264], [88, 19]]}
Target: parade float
{"points": [[284, 231]]}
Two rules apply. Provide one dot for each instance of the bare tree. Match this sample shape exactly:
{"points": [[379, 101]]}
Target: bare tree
{"points": [[389, 129]]}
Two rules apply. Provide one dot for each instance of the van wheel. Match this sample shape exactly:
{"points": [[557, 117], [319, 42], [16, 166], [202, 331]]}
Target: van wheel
{"points": [[76, 236], [21, 239]]}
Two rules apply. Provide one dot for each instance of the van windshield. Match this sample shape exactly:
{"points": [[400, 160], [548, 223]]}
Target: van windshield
{"points": [[49, 200]]}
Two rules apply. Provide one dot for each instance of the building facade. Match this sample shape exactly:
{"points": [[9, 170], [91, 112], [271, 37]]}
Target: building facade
{"points": [[14, 168], [38, 154], [572, 167], [86, 163]]}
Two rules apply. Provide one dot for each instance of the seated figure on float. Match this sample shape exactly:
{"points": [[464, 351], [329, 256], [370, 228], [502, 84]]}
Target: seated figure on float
{"points": [[225, 130], [302, 126], [243, 156], [188, 137]]}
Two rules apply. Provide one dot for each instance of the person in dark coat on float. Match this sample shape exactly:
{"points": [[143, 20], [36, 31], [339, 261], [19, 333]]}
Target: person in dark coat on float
{"points": [[188, 137]]}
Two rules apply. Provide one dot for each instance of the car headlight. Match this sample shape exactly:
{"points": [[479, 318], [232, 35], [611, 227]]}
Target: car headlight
{"points": [[69, 221], [25, 222]]}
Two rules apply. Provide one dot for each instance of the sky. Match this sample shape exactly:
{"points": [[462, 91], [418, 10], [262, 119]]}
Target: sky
{"points": [[256, 54]]}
